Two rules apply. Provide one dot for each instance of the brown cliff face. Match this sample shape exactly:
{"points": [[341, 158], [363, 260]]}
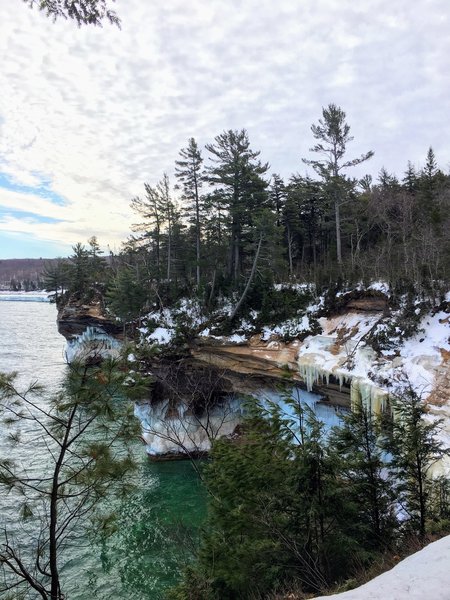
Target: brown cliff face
{"points": [[74, 318], [267, 360]]}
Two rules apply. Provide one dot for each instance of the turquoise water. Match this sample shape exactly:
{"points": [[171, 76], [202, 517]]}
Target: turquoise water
{"points": [[157, 526], [157, 531]]}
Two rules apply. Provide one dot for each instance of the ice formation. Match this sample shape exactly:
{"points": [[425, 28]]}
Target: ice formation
{"points": [[372, 398], [24, 297], [91, 343], [174, 430]]}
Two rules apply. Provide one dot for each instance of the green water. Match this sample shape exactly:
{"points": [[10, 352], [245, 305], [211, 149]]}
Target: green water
{"points": [[157, 526], [158, 529]]}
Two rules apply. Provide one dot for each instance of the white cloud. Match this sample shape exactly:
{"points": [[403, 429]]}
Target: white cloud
{"points": [[98, 112]]}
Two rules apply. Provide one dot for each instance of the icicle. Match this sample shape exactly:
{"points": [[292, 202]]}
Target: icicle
{"points": [[313, 374], [372, 398]]}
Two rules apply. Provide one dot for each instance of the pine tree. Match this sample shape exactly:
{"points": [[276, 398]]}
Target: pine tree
{"points": [[361, 464], [88, 429], [307, 204], [159, 215], [188, 171], [429, 182], [79, 272], [126, 296], [333, 135], [410, 179], [237, 172], [277, 195], [83, 12], [414, 448], [56, 279]]}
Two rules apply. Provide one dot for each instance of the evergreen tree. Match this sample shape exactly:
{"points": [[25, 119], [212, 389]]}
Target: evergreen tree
{"points": [[79, 271], [333, 135], [87, 429], [159, 216], [84, 12], [361, 465], [412, 443], [277, 195], [387, 180], [410, 178], [237, 172], [56, 278], [277, 513], [188, 171], [430, 181], [170, 218], [126, 296], [307, 204]]}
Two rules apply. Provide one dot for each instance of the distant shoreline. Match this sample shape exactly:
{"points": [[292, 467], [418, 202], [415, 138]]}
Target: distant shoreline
{"points": [[34, 296]]}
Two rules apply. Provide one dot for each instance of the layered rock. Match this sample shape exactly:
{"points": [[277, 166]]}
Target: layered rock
{"points": [[340, 365], [75, 317]]}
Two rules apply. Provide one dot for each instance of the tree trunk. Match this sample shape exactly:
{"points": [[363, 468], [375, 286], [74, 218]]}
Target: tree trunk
{"points": [[249, 281], [197, 232], [337, 208]]}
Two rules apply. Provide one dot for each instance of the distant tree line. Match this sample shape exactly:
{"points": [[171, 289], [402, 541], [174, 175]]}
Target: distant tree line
{"points": [[21, 274], [25, 285]]}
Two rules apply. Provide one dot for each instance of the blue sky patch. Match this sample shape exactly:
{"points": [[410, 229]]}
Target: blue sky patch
{"points": [[42, 190], [16, 245], [26, 215]]}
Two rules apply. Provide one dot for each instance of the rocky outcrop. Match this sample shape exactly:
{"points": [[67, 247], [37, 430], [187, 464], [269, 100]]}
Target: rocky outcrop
{"points": [[75, 317]]}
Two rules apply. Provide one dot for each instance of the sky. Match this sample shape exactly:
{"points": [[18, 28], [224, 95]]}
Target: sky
{"points": [[87, 115]]}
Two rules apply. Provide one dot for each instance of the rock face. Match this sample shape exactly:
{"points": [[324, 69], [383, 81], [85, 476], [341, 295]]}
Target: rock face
{"points": [[74, 318], [273, 360], [340, 365]]}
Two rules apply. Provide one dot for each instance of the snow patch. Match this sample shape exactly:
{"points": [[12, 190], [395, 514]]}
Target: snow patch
{"points": [[423, 575]]}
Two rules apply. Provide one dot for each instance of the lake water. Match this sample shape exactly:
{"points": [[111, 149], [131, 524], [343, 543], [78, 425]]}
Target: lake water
{"points": [[156, 526]]}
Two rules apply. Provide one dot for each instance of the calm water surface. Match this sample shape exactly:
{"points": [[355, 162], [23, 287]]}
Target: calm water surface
{"points": [[157, 525]]}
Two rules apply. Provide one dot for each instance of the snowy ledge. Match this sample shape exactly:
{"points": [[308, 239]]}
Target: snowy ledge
{"points": [[423, 575]]}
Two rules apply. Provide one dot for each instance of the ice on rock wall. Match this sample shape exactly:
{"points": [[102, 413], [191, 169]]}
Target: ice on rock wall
{"points": [[169, 430], [362, 389], [372, 398], [92, 342], [312, 374], [328, 414]]}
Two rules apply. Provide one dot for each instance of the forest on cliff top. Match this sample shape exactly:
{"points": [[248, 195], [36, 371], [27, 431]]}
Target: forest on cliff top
{"points": [[227, 226]]}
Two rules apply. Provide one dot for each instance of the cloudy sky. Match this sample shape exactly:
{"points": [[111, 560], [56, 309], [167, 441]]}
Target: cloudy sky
{"points": [[88, 115]]}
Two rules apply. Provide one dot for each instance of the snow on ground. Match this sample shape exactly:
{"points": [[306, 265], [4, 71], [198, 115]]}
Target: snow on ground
{"points": [[421, 354], [424, 575], [342, 351], [161, 335], [290, 327]]}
